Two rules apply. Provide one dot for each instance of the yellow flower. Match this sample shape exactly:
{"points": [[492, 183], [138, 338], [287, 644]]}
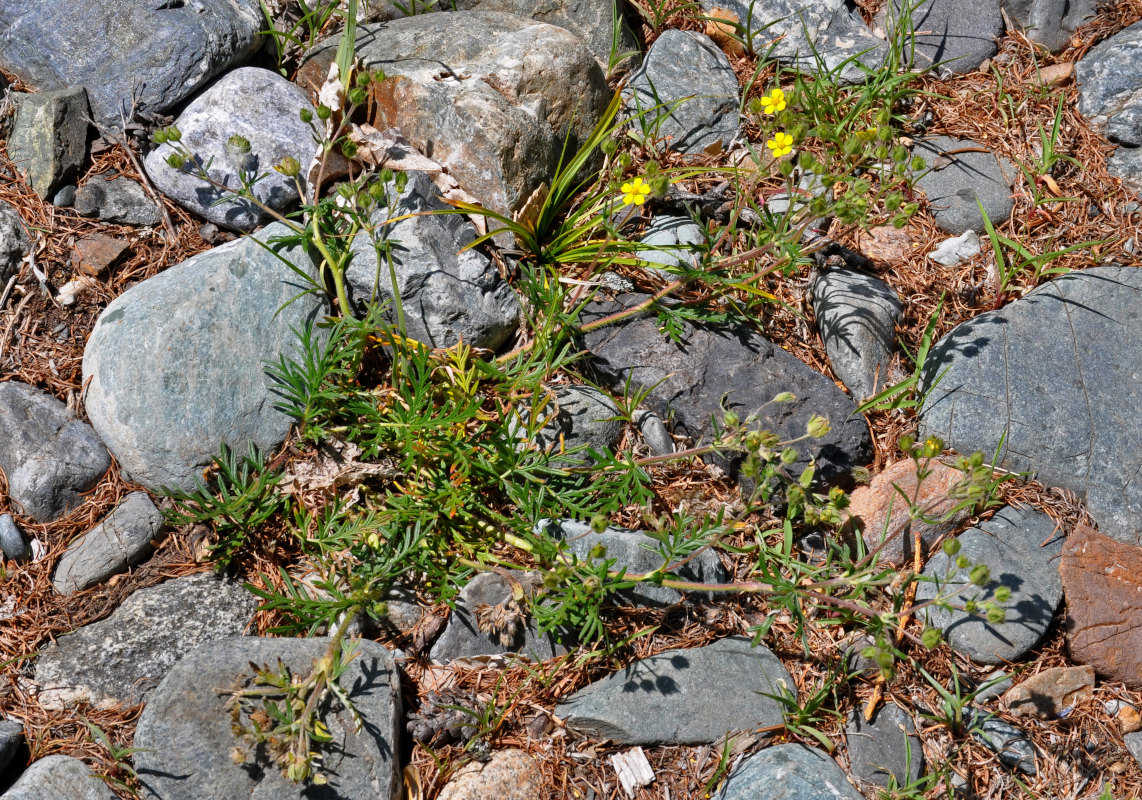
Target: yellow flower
{"points": [[780, 144], [635, 192], [774, 102]]}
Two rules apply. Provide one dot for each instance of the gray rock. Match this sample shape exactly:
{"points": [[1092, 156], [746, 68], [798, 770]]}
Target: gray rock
{"points": [[956, 35], [693, 696], [1133, 742], [258, 105], [885, 748], [117, 200], [13, 543], [578, 419], [654, 432], [48, 456], [447, 295], [497, 115], [59, 778], [463, 638], [636, 553], [1009, 544], [187, 741], [798, 32], [13, 243], [64, 197], [1110, 96], [1051, 23], [1012, 746], [993, 686], [158, 53], [121, 540], [788, 772], [49, 138], [857, 316], [954, 183], [688, 381], [955, 251], [686, 93], [122, 658], [679, 238], [11, 737], [1074, 425], [1126, 164], [175, 362]]}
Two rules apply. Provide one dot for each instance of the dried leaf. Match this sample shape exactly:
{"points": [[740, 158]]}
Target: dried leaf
{"points": [[334, 467]]}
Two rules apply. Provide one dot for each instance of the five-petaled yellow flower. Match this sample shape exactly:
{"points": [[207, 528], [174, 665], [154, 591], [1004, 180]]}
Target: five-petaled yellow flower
{"points": [[774, 102], [635, 192], [780, 144]]}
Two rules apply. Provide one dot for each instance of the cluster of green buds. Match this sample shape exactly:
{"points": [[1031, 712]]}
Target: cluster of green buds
{"points": [[178, 156]]}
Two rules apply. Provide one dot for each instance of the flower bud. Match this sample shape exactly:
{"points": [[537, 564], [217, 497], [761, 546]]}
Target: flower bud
{"points": [[306, 115], [238, 144], [1003, 594], [731, 419], [598, 523], [289, 166], [980, 574], [173, 133], [931, 638], [400, 181], [818, 427], [324, 112], [951, 547], [609, 147], [176, 160], [159, 136], [784, 397]]}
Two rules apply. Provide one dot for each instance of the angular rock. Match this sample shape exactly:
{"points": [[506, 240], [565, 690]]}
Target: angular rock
{"points": [[857, 316], [13, 242], [992, 686], [489, 96], [692, 696], [788, 772], [654, 432], [120, 200], [96, 252], [59, 778], [261, 107], [1110, 96], [1073, 425], [679, 239], [635, 552], [880, 510], [1012, 746], [956, 35], [688, 380], [48, 456], [155, 53], [955, 251], [14, 543], [122, 658], [576, 417], [447, 295], [954, 181], [11, 737], [1102, 579], [1021, 548], [1133, 742], [121, 540], [187, 741], [509, 775], [465, 637], [49, 138], [1051, 23], [885, 748], [175, 362], [886, 244], [1048, 693], [686, 93]]}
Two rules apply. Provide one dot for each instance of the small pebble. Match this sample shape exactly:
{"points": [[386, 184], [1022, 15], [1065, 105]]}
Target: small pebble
{"points": [[654, 433], [13, 542], [64, 197]]}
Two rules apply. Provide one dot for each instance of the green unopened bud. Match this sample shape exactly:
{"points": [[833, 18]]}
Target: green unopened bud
{"points": [[363, 78], [386, 175], [749, 468], [785, 168], [324, 112], [971, 606], [951, 547], [995, 614], [355, 96], [159, 136], [911, 208], [860, 187], [818, 427], [931, 638], [900, 154], [918, 164], [609, 147], [598, 552], [238, 144], [400, 181], [731, 419], [893, 201], [176, 160], [806, 478], [348, 149], [884, 658], [598, 523], [306, 115], [289, 166], [784, 397], [979, 574], [905, 443], [1003, 594], [173, 133], [788, 456]]}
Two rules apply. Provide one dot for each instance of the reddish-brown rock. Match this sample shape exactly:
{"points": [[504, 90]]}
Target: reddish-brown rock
{"points": [[96, 252], [1102, 581], [1048, 693]]}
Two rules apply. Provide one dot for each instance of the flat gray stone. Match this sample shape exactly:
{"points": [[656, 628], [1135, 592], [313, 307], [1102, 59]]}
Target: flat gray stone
{"points": [[186, 740], [260, 106], [13, 243], [14, 543], [884, 748], [636, 552], [58, 778], [957, 35], [1073, 424], [174, 364], [687, 382], [857, 315], [48, 456], [693, 696], [1126, 164], [654, 432], [11, 737], [157, 52], [954, 183], [789, 772], [49, 138], [447, 295], [122, 658], [463, 638], [1133, 742], [688, 91], [580, 419], [1109, 78], [1051, 23], [1009, 544], [121, 540], [679, 239], [119, 200], [1012, 746]]}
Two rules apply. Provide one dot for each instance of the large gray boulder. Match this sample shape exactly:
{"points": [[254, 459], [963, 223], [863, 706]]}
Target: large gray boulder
{"points": [[884, 748], [122, 658], [489, 96], [187, 743], [957, 177], [1051, 23], [1110, 96], [48, 456], [1051, 377], [685, 93], [957, 35], [263, 108], [153, 52], [59, 778], [692, 696], [174, 366], [49, 137], [119, 541], [577, 418], [447, 295], [788, 772]]}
